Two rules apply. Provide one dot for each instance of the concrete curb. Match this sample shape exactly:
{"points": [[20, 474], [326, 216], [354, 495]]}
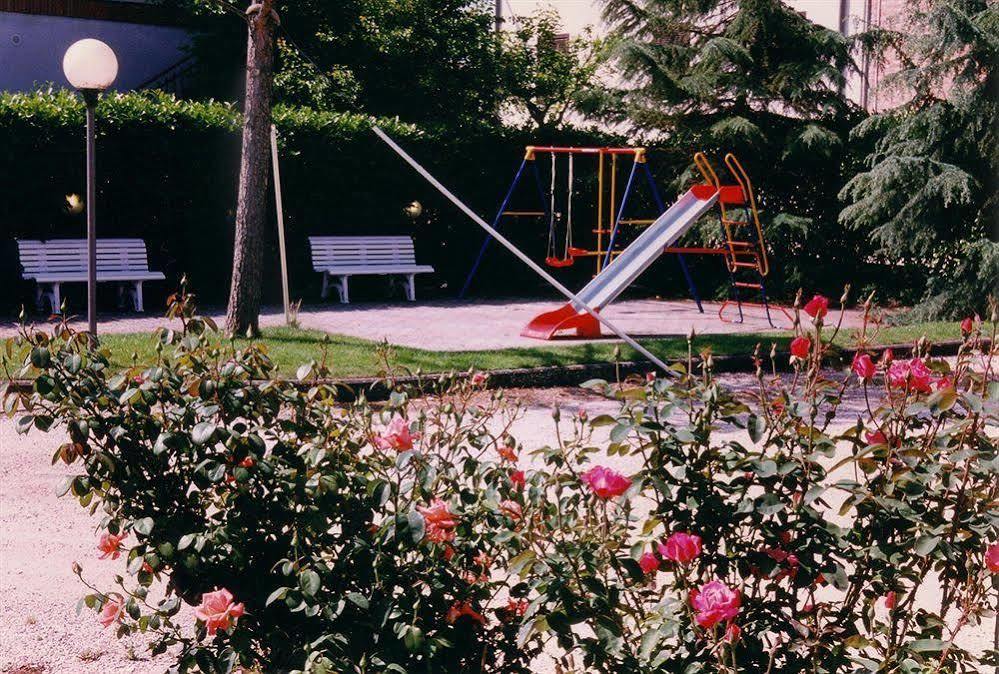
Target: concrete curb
{"points": [[551, 376]]}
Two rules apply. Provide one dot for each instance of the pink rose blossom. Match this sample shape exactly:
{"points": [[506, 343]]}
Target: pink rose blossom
{"points": [[967, 325], [817, 307], [218, 611], [440, 521], [512, 510], [479, 379], [112, 612], [863, 366], [801, 347], [507, 453], [397, 436], [517, 607], [649, 562], [715, 602], [992, 558], [911, 373], [681, 547], [876, 438], [733, 633], [889, 600], [606, 483], [463, 608], [110, 545], [650, 377], [517, 479]]}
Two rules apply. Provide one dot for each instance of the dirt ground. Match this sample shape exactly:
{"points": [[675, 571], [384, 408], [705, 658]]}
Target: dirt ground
{"points": [[42, 535]]}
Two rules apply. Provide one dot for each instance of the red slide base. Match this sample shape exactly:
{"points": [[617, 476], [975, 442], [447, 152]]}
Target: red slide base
{"points": [[544, 326]]}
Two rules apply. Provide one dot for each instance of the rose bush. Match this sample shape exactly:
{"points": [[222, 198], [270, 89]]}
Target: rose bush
{"points": [[754, 531]]}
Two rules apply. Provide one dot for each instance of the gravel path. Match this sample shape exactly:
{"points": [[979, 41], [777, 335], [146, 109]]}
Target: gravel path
{"points": [[41, 535]]}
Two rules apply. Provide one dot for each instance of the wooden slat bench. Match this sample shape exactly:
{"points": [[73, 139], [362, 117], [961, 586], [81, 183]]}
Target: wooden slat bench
{"points": [[341, 257], [56, 261]]}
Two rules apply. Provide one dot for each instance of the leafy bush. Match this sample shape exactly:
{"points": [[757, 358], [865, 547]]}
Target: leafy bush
{"points": [[324, 537]]}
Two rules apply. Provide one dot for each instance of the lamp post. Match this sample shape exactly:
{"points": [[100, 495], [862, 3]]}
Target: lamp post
{"points": [[90, 66]]}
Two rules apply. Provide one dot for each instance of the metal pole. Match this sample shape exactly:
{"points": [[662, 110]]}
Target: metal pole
{"points": [[579, 304], [90, 97], [280, 223]]}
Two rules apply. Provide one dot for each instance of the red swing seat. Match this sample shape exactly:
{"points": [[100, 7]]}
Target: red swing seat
{"points": [[560, 262]]}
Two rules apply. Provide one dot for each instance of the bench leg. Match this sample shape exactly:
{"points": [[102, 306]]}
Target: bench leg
{"points": [[341, 286], [410, 287], [54, 298], [325, 292], [138, 297], [121, 296], [39, 298]]}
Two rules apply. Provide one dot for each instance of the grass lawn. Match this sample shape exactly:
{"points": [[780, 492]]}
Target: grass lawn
{"points": [[350, 356]]}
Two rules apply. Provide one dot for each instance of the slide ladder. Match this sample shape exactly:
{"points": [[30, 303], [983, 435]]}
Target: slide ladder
{"points": [[626, 267]]}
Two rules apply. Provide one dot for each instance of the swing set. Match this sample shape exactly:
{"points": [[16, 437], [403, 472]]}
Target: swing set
{"points": [[560, 251]]}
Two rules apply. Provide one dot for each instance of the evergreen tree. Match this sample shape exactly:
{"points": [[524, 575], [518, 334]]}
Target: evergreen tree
{"points": [[755, 78], [928, 199]]}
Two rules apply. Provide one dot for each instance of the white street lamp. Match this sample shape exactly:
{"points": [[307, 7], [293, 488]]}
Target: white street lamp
{"points": [[90, 66]]}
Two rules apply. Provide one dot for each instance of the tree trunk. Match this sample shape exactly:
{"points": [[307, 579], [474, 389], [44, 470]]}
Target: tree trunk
{"points": [[243, 314]]}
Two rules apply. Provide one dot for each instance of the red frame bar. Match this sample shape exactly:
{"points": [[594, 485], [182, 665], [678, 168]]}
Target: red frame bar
{"points": [[585, 150]]}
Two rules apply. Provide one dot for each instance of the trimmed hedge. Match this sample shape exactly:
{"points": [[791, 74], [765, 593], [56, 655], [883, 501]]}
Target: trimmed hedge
{"points": [[168, 168]]}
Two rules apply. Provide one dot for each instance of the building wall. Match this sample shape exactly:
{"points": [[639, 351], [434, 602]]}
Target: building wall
{"points": [[32, 47]]}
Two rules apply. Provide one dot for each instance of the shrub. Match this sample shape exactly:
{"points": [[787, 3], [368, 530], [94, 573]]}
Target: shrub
{"points": [[323, 537]]}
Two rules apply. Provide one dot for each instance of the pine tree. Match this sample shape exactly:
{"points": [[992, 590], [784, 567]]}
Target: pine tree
{"points": [[928, 199], [755, 78]]}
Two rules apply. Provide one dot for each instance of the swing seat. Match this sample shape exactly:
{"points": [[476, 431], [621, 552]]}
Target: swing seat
{"points": [[560, 262]]}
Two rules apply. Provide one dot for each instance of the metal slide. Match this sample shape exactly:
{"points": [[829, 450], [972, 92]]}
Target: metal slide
{"points": [[625, 268]]}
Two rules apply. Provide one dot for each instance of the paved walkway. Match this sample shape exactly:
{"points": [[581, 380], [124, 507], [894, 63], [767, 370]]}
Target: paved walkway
{"points": [[452, 325]]}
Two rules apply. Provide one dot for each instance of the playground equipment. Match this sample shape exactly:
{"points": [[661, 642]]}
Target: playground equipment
{"points": [[610, 212], [744, 250]]}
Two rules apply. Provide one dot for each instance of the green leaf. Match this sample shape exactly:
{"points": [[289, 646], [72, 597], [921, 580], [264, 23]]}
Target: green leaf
{"points": [[924, 545], [143, 526], [308, 580], [276, 595], [927, 645], [358, 599], [202, 433]]}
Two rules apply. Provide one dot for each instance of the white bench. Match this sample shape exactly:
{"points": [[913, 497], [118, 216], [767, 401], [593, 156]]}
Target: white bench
{"points": [[56, 261], [341, 257]]}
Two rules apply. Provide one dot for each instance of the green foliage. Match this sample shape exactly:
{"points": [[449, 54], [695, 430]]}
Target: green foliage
{"points": [[546, 78], [758, 79], [371, 56], [401, 539], [928, 198]]}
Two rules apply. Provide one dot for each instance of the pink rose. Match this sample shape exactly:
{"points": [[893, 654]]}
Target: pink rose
{"points": [[967, 325], [817, 307], [606, 483], [733, 633], [110, 545], [992, 558], [463, 608], [397, 436], [889, 600], [911, 373], [508, 453], [479, 379], [863, 366], [512, 510], [218, 611], [112, 612], [650, 377], [681, 547], [440, 521], [876, 438], [801, 347], [517, 479], [714, 602], [516, 607], [649, 562], [887, 357]]}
